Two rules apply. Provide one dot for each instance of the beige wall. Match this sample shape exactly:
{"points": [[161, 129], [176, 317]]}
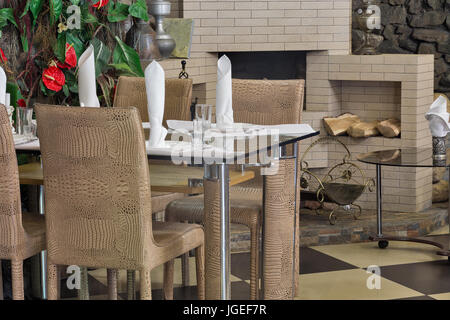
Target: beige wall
{"points": [[374, 87], [271, 25]]}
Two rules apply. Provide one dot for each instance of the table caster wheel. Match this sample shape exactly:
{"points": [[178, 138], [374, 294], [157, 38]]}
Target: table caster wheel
{"points": [[382, 244]]}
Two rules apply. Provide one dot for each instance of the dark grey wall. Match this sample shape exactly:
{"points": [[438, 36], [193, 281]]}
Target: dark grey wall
{"points": [[279, 65], [415, 26]]}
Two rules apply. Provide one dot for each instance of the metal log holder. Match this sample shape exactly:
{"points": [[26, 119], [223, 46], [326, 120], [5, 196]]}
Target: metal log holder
{"points": [[342, 185]]}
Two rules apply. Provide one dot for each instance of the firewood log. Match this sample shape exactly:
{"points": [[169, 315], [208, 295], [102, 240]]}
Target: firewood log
{"points": [[363, 129], [390, 128], [338, 126]]}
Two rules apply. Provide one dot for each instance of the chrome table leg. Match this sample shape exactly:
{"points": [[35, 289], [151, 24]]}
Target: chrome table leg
{"points": [[379, 203], [225, 263]]}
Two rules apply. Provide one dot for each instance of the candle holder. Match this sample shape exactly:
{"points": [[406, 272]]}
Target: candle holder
{"points": [[166, 44], [439, 149]]}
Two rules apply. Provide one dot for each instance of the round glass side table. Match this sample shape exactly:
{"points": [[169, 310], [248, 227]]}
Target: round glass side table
{"points": [[407, 157]]}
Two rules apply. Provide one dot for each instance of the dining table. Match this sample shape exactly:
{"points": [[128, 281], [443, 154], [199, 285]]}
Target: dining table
{"points": [[275, 153]]}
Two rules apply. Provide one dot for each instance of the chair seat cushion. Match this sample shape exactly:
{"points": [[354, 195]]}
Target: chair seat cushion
{"points": [[178, 238], [161, 199], [34, 225], [245, 207]]}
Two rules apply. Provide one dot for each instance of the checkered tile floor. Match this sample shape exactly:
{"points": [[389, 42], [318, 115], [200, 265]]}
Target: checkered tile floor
{"points": [[408, 271]]}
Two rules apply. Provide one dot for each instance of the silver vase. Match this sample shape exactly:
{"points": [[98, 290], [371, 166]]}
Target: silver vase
{"points": [[166, 44]]}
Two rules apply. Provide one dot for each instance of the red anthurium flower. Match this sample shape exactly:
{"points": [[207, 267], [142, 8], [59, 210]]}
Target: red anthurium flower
{"points": [[70, 59], [21, 103], [2, 56], [71, 56], [53, 78], [101, 3]]}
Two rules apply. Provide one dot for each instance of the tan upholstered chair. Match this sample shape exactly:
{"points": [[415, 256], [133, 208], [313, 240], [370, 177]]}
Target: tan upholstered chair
{"points": [[21, 236], [131, 92], [98, 197], [264, 102]]}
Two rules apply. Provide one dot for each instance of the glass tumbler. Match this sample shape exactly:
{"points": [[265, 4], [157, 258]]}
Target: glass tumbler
{"points": [[24, 121], [203, 113]]}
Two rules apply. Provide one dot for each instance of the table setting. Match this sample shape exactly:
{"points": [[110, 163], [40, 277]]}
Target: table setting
{"points": [[215, 146]]}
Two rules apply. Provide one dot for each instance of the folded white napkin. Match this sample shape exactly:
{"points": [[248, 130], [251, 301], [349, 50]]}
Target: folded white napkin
{"points": [[438, 118], [155, 86], [180, 125], [87, 85], [2, 86], [224, 93]]}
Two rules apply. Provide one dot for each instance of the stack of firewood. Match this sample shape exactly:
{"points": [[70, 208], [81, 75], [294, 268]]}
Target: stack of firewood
{"points": [[350, 124]]}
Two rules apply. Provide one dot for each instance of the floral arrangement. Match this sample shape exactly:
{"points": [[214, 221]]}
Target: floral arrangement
{"points": [[54, 33]]}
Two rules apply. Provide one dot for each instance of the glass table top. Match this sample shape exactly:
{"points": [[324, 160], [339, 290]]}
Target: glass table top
{"points": [[232, 150], [229, 150], [405, 157]]}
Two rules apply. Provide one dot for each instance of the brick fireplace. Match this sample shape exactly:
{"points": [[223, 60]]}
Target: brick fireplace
{"points": [[374, 87]]}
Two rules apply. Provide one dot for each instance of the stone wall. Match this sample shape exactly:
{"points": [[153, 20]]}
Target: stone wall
{"points": [[416, 26]]}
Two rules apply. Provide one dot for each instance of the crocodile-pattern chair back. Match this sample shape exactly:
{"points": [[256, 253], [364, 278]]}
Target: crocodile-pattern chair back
{"points": [[268, 102], [97, 187], [131, 92], [12, 234]]}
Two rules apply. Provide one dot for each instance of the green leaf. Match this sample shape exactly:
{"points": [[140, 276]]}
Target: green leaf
{"points": [[6, 14], [139, 10], [71, 81], [26, 9], [118, 12], [60, 47], [55, 10], [86, 16], [35, 8], [78, 45], [24, 41], [106, 87], [66, 90], [42, 86], [13, 89], [102, 55], [127, 55], [123, 69], [75, 2]]}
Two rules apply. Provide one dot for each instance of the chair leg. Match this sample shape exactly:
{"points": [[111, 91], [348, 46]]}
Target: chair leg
{"points": [[17, 279], [131, 285], [168, 280], [112, 284], [254, 262], [83, 293], [146, 285], [1, 281], [200, 266], [185, 269], [52, 281]]}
